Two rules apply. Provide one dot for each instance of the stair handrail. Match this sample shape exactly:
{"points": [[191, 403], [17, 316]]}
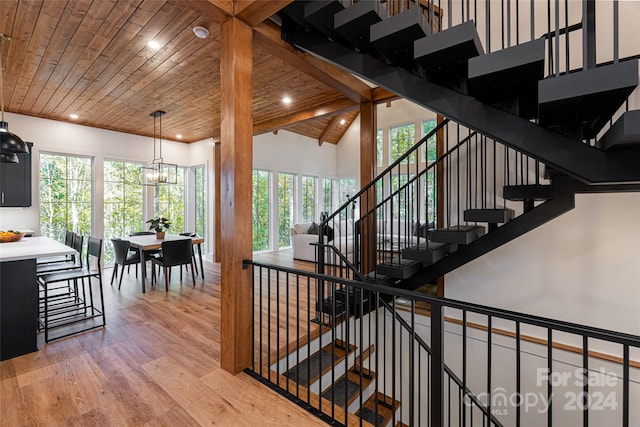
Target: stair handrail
{"points": [[452, 375], [388, 169], [423, 172]]}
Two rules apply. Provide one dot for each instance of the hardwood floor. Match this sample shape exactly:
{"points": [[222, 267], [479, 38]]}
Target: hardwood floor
{"points": [[155, 363]]}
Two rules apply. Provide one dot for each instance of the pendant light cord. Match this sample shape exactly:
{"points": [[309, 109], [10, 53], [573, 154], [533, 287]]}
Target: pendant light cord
{"points": [[2, 37]]}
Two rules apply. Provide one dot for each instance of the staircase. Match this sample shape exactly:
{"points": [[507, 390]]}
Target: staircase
{"points": [[368, 370], [511, 114]]}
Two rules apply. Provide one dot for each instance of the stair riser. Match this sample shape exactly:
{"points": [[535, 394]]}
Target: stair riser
{"points": [[398, 272], [427, 257]]}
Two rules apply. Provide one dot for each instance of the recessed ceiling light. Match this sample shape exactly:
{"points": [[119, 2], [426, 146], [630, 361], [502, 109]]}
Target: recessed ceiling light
{"points": [[73, 116], [153, 44], [286, 100], [200, 32], [179, 136], [343, 121]]}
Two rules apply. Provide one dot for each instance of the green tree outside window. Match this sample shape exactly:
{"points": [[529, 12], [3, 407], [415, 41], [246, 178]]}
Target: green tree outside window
{"points": [[260, 217], [66, 189], [123, 203], [286, 208], [308, 198], [402, 139]]}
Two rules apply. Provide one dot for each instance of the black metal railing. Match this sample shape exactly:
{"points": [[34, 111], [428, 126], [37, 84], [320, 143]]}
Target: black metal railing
{"points": [[399, 207], [409, 363]]}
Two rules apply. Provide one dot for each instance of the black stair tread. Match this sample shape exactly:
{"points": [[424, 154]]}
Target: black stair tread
{"points": [[427, 252], [457, 234], [309, 370], [385, 407], [320, 14], [379, 279], [354, 23], [348, 383], [399, 268], [527, 192], [509, 77], [624, 133], [580, 104], [496, 216], [394, 36], [339, 388], [448, 51]]}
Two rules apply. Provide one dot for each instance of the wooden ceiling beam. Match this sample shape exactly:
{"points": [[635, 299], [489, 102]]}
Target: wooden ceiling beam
{"points": [[328, 129], [254, 12], [380, 95], [283, 122], [267, 37], [215, 10]]}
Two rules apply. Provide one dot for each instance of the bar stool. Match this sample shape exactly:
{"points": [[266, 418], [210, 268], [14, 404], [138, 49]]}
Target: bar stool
{"points": [[60, 306]]}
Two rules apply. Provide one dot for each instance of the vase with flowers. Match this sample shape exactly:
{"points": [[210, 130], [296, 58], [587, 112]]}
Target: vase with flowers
{"points": [[159, 224]]}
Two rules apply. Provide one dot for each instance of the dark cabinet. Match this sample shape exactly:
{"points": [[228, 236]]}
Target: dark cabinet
{"points": [[15, 181]]}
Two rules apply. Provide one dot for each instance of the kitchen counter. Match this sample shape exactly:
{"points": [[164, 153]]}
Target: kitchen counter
{"points": [[32, 248], [19, 292]]}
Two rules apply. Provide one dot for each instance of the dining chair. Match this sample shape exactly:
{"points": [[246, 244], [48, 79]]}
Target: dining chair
{"points": [[61, 306], [174, 253], [193, 253], [123, 257]]}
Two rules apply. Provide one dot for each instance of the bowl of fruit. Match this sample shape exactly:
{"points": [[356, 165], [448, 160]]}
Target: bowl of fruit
{"points": [[11, 236]]}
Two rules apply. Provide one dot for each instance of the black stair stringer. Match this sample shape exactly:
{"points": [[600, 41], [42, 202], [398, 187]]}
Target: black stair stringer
{"points": [[563, 200], [570, 156]]}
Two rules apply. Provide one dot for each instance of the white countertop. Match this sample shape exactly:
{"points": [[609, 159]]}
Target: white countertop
{"points": [[33, 247]]}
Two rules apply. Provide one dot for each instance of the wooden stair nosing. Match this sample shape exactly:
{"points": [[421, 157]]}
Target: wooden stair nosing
{"points": [[386, 406]]}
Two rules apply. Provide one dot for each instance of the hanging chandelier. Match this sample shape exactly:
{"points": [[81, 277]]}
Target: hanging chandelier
{"points": [[10, 143], [158, 172]]}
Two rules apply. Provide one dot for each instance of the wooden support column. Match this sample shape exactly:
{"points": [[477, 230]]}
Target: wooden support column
{"points": [[216, 206], [367, 173], [236, 130]]}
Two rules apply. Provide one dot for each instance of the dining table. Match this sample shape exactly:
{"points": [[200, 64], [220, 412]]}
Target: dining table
{"points": [[150, 242]]}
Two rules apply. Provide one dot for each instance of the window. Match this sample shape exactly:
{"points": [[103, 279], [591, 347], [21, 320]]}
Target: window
{"points": [[401, 196], [346, 190], [200, 211], [123, 202], [308, 198], [286, 208], [260, 217], [66, 189], [380, 147], [170, 202], [327, 195], [402, 138], [431, 154]]}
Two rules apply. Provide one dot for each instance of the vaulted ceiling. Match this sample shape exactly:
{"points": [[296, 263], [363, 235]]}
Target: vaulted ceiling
{"points": [[91, 58]]}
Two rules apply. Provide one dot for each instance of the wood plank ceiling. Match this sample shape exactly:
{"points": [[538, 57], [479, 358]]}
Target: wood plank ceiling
{"points": [[91, 58]]}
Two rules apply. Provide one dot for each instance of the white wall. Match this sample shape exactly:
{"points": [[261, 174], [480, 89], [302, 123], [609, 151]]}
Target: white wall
{"points": [[581, 267], [290, 152]]}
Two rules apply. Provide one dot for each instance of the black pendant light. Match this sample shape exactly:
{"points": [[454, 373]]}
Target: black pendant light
{"points": [[9, 158], [10, 143]]}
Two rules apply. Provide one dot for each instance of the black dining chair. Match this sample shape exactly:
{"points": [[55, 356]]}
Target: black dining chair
{"points": [[193, 253], [174, 252], [62, 306], [123, 257]]}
